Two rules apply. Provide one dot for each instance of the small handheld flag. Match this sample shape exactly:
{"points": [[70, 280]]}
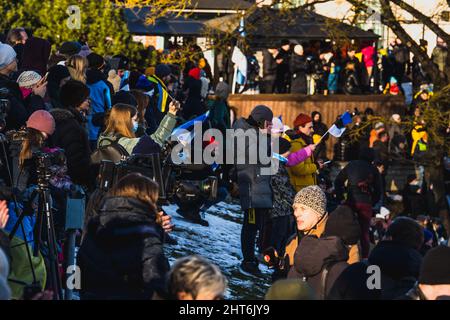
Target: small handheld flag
{"points": [[338, 128], [279, 157]]}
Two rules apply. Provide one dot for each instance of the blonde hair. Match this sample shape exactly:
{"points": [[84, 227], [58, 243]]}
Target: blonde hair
{"points": [[77, 66], [135, 185], [119, 120], [34, 139], [194, 273]]}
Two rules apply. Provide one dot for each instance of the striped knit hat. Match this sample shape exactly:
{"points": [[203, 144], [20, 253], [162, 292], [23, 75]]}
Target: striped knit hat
{"points": [[313, 198], [27, 79]]}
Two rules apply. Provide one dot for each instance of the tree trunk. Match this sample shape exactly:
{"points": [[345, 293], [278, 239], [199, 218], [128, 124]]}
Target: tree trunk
{"points": [[390, 21]]}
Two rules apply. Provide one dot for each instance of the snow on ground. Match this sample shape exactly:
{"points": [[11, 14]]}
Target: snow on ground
{"points": [[221, 243]]}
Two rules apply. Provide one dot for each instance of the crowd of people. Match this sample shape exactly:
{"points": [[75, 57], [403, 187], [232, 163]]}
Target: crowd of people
{"points": [[317, 68], [303, 224]]}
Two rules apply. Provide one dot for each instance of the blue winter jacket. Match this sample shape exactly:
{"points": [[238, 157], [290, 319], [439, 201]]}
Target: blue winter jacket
{"points": [[100, 95]]}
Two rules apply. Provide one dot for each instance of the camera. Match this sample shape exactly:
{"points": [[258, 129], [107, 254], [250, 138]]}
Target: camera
{"points": [[5, 106], [177, 183], [46, 161]]}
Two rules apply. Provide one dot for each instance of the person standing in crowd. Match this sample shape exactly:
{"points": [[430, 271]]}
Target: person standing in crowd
{"points": [[368, 53], [17, 38], [395, 128], [143, 102], [357, 67], [159, 99], [193, 105], [281, 223], [414, 201], [319, 129], [283, 72], [77, 66], [299, 68], [333, 75], [402, 60], [71, 133], [100, 94], [68, 49], [36, 53], [305, 173], [122, 253], [363, 188], [196, 278], [378, 128], [434, 277], [18, 114], [122, 123], [34, 89], [352, 85], [218, 108], [57, 77], [255, 191], [269, 70], [398, 259], [381, 148], [439, 56], [40, 126]]}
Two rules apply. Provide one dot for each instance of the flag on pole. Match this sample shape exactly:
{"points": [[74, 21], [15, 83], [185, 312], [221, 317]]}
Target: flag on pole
{"points": [[189, 124], [239, 58], [338, 128], [335, 131]]}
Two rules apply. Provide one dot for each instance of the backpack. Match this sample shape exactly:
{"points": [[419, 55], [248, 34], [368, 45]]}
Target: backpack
{"points": [[112, 151]]}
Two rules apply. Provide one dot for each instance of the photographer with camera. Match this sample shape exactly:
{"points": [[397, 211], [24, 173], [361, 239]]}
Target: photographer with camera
{"points": [[12, 110], [122, 256], [40, 126], [122, 124]]}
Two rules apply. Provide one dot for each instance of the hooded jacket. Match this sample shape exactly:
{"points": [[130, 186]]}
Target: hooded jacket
{"points": [[320, 261], [122, 254], [255, 190], [399, 266], [17, 115], [100, 94], [71, 136]]}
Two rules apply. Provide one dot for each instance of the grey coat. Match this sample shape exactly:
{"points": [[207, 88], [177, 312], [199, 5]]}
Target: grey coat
{"points": [[255, 190]]}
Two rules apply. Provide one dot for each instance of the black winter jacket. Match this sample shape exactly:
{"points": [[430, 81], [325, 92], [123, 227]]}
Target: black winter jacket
{"points": [[320, 261], [399, 266], [299, 68], [71, 135], [122, 254], [364, 183], [17, 114]]}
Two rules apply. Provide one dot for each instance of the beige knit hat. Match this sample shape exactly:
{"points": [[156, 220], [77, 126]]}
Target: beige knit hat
{"points": [[313, 198], [27, 79]]}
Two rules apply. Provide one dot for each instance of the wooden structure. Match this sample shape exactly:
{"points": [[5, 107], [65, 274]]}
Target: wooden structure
{"points": [[290, 105]]}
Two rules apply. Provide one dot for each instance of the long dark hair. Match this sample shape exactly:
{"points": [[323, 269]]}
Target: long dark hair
{"points": [[34, 139]]}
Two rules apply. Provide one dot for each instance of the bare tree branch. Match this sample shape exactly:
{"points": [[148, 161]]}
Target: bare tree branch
{"points": [[390, 21], [423, 19]]}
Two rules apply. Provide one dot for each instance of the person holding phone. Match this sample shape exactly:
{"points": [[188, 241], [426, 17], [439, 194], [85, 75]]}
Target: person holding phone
{"points": [[34, 89]]}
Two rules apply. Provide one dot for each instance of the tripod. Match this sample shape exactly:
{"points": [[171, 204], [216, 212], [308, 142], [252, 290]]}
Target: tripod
{"points": [[45, 224], [44, 230]]}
